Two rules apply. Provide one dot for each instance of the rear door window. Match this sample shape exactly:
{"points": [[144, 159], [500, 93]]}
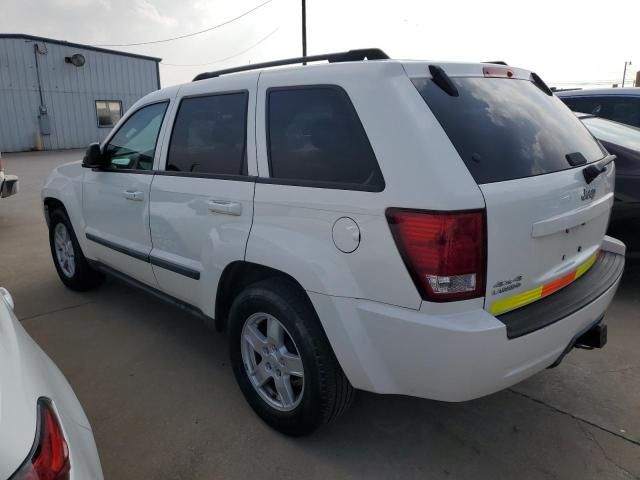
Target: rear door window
{"points": [[315, 138], [209, 135], [506, 129]]}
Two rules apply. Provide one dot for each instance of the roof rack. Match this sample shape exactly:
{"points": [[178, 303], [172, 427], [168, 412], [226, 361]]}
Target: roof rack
{"points": [[350, 56], [497, 62]]}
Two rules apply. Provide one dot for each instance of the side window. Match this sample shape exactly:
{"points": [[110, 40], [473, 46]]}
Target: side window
{"points": [[624, 110], [134, 144], [209, 135], [108, 112], [585, 105], [315, 135]]}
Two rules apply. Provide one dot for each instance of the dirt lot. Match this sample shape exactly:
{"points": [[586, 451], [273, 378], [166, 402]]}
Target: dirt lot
{"points": [[163, 403]]}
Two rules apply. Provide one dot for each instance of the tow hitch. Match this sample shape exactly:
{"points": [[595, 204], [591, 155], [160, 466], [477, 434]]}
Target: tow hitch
{"points": [[596, 337], [593, 337]]}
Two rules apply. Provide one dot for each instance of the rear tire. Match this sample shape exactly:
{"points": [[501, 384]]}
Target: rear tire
{"points": [[71, 264], [319, 391]]}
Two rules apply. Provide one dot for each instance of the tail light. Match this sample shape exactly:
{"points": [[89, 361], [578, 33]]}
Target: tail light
{"points": [[49, 456], [445, 252]]}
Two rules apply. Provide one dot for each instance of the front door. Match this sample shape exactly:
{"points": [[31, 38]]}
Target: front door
{"points": [[116, 198]]}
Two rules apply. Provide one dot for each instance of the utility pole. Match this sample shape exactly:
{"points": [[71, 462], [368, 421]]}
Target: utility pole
{"points": [[304, 28], [625, 72]]}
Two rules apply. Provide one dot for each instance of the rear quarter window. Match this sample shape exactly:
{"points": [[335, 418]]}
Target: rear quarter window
{"points": [[315, 138], [505, 129]]}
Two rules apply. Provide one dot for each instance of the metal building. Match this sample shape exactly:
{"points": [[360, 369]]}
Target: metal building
{"points": [[56, 94]]}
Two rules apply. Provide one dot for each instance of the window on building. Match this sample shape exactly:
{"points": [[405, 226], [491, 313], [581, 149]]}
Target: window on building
{"points": [[134, 144], [315, 135], [209, 135], [108, 112]]}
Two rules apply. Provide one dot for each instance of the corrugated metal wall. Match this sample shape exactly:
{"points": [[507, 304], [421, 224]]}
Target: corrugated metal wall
{"points": [[69, 92]]}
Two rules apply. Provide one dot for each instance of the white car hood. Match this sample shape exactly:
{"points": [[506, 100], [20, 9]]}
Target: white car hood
{"points": [[26, 374]]}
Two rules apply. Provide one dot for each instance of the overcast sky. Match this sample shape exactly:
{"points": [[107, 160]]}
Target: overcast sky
{"points": [[564, 41]]}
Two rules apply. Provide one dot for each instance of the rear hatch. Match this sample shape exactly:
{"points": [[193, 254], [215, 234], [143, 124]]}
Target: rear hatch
{"points": [[527, 152]]}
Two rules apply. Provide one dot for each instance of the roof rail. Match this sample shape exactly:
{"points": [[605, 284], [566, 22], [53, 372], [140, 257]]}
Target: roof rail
{"points": [[350, 56], [497, 62]]}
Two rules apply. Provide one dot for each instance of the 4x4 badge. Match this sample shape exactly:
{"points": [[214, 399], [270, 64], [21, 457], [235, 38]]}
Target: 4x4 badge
{"points": [[588, 194]]}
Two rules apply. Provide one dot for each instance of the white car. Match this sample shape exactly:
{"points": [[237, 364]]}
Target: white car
{"points": [[417, 228], [8, 183], [44, 433]]}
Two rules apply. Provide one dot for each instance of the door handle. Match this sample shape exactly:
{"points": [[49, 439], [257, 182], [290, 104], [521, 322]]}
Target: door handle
{"points": [[225, 207], [131, 195]]}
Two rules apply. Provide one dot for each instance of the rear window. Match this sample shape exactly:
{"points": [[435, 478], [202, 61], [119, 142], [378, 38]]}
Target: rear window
{"points": [[506, 129]]}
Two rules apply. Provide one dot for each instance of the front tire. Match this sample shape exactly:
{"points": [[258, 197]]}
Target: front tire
{"points": [[71, 264], [283, 361]]}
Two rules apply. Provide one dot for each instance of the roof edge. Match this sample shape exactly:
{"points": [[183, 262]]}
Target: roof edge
{"points": [[36, 38]]}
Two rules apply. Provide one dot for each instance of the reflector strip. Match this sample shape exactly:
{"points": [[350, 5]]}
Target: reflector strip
{"points": [[511, 303]]}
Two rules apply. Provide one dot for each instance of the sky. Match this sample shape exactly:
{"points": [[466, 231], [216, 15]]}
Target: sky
{"points": [[569, 43]]}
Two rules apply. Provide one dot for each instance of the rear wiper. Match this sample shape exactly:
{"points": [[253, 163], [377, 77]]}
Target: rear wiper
{"points": [[440, 78], [592, 171]]}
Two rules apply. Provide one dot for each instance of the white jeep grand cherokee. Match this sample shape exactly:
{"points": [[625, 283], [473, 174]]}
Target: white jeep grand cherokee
{"points": [[435, 230]]}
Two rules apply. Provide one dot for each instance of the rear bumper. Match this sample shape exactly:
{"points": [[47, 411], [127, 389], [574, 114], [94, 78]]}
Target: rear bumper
{"points": [[457, 357]]}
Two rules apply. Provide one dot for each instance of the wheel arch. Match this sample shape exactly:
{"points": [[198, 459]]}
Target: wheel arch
{"points": [[239, 275]]}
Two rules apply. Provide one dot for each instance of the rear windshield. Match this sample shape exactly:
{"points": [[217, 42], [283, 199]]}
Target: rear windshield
{"points": [[506, 129]]}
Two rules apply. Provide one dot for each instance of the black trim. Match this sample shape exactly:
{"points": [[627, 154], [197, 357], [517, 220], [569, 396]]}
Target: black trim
{"points": [[245, 164], [118, 248], [604, 273], [316, 183], [214, 176], [174, 267], [158, 262], [158, 74], [150, 290], [349, 56], [123, 170], [76, 45]]}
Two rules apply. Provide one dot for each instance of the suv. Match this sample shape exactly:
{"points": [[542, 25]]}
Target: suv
{"points": [[618, 104], [435, 230]]}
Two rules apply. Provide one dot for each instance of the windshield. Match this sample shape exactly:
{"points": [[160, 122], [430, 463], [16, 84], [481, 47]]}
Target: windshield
{"points": [[506, 128]]}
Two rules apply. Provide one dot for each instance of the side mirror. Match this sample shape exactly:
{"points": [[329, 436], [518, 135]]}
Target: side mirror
{"points": [[93, 157]]}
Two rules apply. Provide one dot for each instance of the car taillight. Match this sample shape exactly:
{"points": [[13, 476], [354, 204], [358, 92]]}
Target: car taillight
{"points": [[49, 456], [445, 252]]}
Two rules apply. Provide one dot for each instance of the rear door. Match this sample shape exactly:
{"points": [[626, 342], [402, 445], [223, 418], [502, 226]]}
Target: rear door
{"points": [[527, 152], [202, 195]]}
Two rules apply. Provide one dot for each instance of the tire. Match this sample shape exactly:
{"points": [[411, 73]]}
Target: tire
{"points": [[325, 392], [75, 272]]}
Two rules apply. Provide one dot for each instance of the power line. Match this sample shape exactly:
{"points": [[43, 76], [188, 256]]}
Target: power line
{"points": [[188, 34], [223, 59]]}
